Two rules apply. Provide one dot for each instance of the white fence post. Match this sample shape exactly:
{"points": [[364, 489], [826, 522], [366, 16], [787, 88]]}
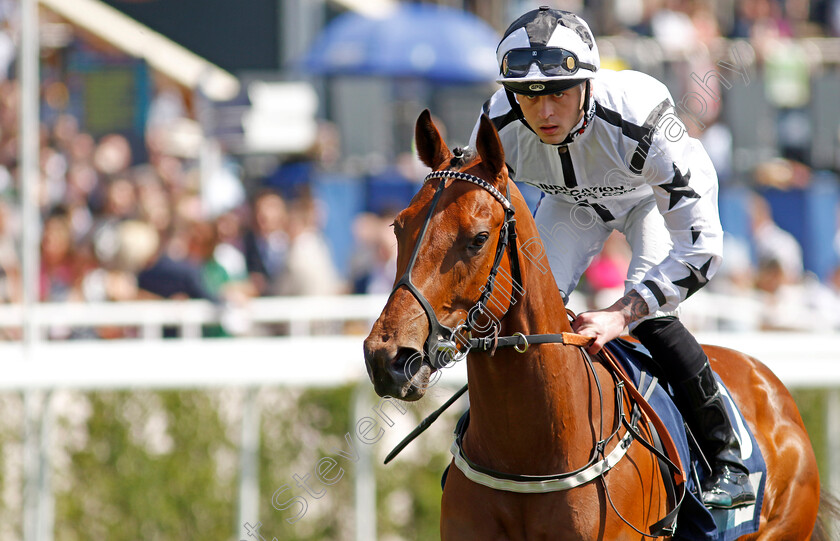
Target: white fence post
{"points": [[37, 487], [364, 482], [249, 454], [832, 418], [46, 499]]}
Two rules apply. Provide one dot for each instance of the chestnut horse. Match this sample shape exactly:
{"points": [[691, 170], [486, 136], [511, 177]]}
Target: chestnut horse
{"points": [[542, 411]]}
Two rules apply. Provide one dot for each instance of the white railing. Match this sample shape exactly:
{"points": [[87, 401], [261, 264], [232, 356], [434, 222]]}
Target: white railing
{"points": [[151, 317], [307, 341], [704, 312]]}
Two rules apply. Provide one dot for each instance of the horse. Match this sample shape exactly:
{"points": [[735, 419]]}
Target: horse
{"points": [[541, 408]]}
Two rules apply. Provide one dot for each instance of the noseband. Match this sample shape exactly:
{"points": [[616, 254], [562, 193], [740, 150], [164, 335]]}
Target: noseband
{"points": [[442, 338]]}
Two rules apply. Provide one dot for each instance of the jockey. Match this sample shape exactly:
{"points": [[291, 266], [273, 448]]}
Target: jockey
{"points": [[609, 152]]}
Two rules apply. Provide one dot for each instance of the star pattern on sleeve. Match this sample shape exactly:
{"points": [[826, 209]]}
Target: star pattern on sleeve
{"points": [[679, 188], [695, 234], [696, 278]]}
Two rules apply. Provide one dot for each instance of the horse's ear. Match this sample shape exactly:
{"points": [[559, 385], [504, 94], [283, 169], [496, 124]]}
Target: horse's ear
{"points": [[489, 146], [430, 145]]}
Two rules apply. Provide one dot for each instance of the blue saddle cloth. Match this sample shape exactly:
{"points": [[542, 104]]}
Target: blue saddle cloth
{"points": [[695, 522]]}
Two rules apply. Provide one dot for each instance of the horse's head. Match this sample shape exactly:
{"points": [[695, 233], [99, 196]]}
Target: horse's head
{"points": [[451, 242]]}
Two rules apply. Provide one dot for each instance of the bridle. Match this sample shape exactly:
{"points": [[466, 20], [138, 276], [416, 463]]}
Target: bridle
{"points": [[442, 339]]}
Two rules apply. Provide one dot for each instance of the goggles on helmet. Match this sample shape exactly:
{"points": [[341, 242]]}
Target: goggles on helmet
{"points": [[552, 62]]}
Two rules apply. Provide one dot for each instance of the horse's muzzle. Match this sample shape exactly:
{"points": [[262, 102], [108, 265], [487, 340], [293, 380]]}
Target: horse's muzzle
{"points": [[399, 372]]}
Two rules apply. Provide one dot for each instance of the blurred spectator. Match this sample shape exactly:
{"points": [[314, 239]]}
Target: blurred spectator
{"points": [[788, 88], [229, 246], [120, 199], [673, 28], [374, 263], [758, 21], [112, 155], [803, 305], [8, 50], [82, 148], [221, 188], [782, 173], [309, 266], [59, 266], [267, 241], [791, 299], [717, 140], [292, 175], [10, 276], [159, 276], [166, 108], [285, 251], [224, 280], [736, 274], [778, 253], [296, 173], [154, 203]]}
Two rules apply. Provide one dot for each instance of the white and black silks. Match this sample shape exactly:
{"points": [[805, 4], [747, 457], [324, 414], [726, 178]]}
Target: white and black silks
{"points": [[629, 150]]}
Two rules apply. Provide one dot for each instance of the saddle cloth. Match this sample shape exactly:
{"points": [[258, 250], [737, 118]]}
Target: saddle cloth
{"points": [[695, 521]]}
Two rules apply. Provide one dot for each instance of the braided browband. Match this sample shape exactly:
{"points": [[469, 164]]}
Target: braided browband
{"points": [[457, 175]]}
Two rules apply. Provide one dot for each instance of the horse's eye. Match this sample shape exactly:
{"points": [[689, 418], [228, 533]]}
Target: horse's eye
{"points": [[479, 240]]}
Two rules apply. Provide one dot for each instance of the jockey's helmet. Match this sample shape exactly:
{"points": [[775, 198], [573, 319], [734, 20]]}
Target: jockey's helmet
{"points": [[546, 51]]}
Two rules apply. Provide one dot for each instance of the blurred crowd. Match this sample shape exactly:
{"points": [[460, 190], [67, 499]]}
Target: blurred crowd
{"points": [[119, 228], [761, 285], [680, 21]]}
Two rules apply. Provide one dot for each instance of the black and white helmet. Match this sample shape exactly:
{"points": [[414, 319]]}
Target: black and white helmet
{"points": [[546, 51]]}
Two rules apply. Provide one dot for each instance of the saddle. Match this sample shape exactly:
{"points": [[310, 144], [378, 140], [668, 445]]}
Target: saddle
{"points": [[696, 522]]}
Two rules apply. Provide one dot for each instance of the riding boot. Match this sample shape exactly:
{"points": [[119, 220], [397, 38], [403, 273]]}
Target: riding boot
{"points": [[681, 360], [728, 486]]}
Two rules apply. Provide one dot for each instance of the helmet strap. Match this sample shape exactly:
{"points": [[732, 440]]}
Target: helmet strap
{"points": [[587, 116]]}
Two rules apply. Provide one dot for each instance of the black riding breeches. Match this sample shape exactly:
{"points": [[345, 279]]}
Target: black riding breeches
{"points": [[676, 353]]}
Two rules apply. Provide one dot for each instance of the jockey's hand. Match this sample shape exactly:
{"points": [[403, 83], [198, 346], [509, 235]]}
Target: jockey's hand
{"points": [[604, 325]]}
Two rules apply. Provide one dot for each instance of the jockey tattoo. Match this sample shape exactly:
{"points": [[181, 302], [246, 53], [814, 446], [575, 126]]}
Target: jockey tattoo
{"points": [[632, 306]]}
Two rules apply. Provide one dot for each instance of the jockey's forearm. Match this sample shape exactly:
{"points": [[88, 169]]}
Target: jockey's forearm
{"points": [[631, 306]]}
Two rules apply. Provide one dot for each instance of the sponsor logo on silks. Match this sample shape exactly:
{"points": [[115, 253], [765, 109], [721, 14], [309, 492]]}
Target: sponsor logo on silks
{"points": [[581, 193], [537, 87]]}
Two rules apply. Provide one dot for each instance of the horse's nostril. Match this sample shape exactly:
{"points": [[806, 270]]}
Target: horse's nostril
{"points": [[407, 361]]}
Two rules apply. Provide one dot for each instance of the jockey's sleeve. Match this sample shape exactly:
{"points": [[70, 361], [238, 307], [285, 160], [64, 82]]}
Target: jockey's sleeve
{"points": [[685, 185]]}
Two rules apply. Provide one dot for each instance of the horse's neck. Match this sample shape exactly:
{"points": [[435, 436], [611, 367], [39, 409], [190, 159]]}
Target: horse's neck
{"points": [[532, 410]]}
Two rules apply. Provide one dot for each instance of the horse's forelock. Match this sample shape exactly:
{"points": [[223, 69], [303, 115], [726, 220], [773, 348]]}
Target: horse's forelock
{"points": [[462, 156]]}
